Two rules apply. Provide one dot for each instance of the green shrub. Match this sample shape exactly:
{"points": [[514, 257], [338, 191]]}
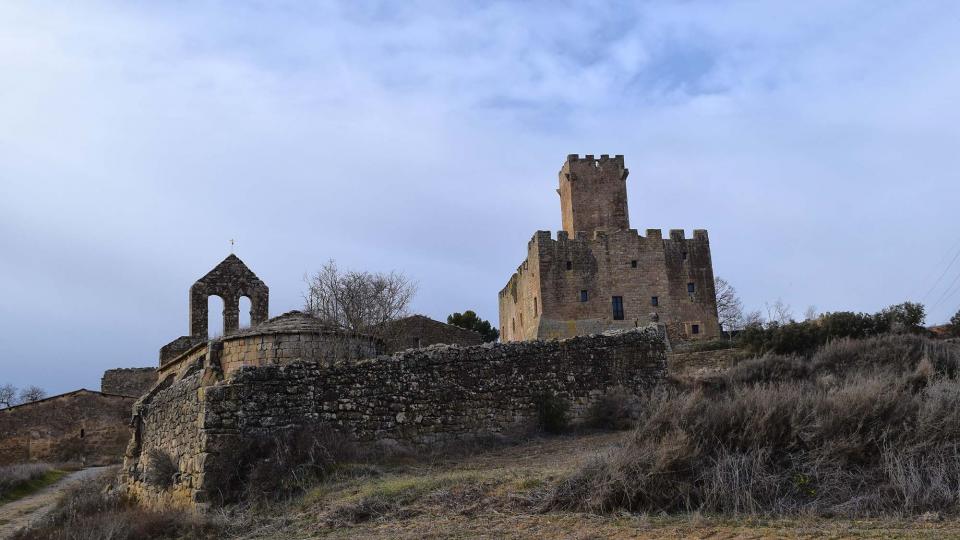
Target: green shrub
{"points": [[804, 337], [552, 413]]}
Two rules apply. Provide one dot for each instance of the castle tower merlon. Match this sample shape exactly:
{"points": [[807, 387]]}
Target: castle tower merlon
{"points": [[593, 193]]}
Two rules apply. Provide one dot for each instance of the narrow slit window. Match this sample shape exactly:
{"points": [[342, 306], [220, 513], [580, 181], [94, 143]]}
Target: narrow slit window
{"points": [[691, 288], [618, 308], [82, 433], [569, 265], [534, 306], [583, 295], [633, 264], [684, 255], [654, 300], [695, 328]]}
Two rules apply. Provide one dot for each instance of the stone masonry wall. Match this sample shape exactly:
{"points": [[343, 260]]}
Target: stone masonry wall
{"points": [[419, 397], [133, 382], [168, 419], [81, 426]]}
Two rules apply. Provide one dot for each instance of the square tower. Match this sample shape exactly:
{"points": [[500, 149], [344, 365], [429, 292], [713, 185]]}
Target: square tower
{"points": [[593, 194]]}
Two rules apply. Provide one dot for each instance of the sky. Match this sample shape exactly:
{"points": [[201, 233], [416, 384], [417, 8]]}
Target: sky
{"points": [[816, 141]]}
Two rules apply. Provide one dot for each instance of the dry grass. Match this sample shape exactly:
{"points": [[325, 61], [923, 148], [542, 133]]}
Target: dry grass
{"points": [[862, 428], [95, 511], [17, 481], [500, 493]]}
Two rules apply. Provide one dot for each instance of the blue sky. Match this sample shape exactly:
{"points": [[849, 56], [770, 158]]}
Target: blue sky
{"points": [[816, 141]]}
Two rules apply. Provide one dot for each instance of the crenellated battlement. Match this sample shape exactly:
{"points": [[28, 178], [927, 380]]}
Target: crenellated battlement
{"points": [[590, 159], [674, 235]]}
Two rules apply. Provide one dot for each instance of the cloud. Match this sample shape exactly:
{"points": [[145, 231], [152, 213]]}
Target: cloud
{"points": [[816, 141]]}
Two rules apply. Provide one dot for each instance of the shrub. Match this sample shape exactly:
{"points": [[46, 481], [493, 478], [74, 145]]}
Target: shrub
{"points": [[552, 413], [615, 410], [160, 470], [17, 477], [94, 511], [861, 428], [955, 325], [805, 337], [274, 465]]}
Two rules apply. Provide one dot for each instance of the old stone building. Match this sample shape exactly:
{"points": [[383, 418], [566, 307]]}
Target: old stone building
{"points": [[600, 274], [418, 331], [215, 395], [83, 425]]}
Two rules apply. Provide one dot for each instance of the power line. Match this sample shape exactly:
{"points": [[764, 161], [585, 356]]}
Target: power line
{"points": [[948, 292], [945, 270]]}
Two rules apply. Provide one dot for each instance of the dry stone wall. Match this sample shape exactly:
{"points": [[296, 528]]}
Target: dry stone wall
{"points": [[418, 397], [133, 382]]}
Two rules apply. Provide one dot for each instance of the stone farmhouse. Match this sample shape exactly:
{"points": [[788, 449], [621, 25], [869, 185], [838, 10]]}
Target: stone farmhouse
{"points": [[84, 425], [599, 274]]}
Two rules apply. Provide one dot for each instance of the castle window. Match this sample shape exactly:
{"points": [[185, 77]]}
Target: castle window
{"points": [[618, 308], [633, 264], [654, 300], [684, 255], [513, 325], [583, 296], [82, 433], [691, 288], [694, 328], [534, 306], [569, 265]]}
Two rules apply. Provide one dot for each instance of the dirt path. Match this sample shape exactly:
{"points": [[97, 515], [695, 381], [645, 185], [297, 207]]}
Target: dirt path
{"points": [[19, 513]]}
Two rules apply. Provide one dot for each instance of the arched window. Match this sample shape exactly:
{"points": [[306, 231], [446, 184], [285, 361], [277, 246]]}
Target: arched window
{"points": [[245, 307], [214, 316]]}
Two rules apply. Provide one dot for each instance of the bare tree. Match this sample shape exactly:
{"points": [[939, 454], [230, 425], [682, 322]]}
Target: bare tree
{"points": [[754, 318], [810, 314], [32, 393], [779, 312], [8, 395], [729, 306], [358, 301]]}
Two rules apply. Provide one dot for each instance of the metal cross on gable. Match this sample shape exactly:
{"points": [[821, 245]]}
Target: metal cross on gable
{"points": [[231, 245]]}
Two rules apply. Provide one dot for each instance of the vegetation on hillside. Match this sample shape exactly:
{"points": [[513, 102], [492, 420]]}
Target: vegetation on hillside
{"points": [[860, 428], [804, 337]]}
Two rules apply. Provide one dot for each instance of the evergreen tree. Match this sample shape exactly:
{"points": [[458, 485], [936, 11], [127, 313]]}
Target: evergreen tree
{"points": [[469, 320]]}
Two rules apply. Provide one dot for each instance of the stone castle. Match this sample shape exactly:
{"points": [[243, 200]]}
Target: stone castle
{"points": [[599, 274]]}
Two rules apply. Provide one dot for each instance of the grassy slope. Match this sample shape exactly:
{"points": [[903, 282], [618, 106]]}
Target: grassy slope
{"points": [[497, 494], [32, 486]]}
